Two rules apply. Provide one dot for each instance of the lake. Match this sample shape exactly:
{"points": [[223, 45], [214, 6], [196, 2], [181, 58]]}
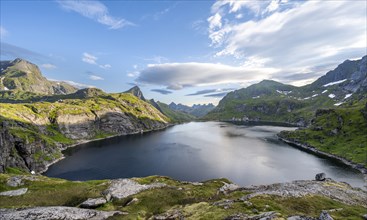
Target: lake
{"points": [[198, 151]]}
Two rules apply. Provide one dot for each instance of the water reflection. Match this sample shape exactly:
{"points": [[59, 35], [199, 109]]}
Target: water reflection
{"points": [[200, 151]]}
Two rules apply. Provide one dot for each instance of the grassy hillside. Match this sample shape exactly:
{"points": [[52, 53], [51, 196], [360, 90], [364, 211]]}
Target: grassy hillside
{"points": [[341, 131]]}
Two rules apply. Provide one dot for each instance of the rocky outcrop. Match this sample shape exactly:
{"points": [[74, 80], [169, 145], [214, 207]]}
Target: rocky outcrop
{"points": [[17, 192], [55, 212], [122, 188], [339, 191]]}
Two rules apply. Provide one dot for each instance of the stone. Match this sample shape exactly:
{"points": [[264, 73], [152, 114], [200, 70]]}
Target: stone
{"points": [[227, 187], [17, 192], [320, 177], [133, 201], [14, 181], [93, 203], [122, 188], [365, 216], [325, 216], [247, 203], [226, 204], [175, 214], [55, 212]]}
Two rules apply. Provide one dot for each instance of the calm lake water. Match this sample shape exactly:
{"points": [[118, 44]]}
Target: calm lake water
{"points": [[199, 151]]}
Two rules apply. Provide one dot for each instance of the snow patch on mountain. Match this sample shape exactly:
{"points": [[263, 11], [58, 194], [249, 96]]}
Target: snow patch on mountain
{"points": [[331, 96], [348, 95], [324, 91], [334, 83]]}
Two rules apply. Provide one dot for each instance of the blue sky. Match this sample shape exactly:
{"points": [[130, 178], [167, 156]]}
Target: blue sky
{"points": [[187, 51]]}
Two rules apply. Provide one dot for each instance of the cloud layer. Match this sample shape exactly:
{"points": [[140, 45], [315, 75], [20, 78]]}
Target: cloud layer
{"points": [[161, 91], [176, 76], [291, 36], [96, 11]]}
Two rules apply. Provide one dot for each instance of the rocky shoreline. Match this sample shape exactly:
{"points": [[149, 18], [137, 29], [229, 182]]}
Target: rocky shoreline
{"points": [[306, 147]]}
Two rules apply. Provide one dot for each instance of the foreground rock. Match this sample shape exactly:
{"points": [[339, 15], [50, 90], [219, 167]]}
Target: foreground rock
{"points": [[339, 191], [320, 177], [55, 212], [17, 192], [93, 203], [122, 188]]}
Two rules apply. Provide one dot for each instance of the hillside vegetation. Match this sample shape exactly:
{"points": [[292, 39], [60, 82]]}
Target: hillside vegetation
{"points": [[341, 132]]}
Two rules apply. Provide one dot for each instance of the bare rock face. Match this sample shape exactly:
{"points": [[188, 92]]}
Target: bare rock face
{"points": [[122, 188], [55, 212], [227, 187]]}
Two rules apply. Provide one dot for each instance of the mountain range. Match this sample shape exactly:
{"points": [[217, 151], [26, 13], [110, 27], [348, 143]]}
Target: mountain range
{"points": [[39, 118]]}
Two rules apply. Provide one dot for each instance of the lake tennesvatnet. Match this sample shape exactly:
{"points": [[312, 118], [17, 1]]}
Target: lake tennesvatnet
{"points": [[199, 151]]}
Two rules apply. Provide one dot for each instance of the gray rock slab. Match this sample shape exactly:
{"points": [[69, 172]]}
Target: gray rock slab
{"points": [[17, 192], [93, 203], [55, 212], [122, 188]]}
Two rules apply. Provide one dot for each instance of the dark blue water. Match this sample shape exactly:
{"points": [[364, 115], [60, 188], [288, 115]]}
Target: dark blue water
{"points": [[199, 151]]}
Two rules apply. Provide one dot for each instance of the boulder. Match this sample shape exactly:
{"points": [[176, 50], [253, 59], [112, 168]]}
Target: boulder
{"points": [[14, 181], [227, 187], [17, 192], [93, 203], [320, 177], [122, 188]]}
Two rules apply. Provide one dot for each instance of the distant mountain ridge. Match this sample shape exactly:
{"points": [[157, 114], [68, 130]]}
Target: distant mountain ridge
{"points": [[274, 101], [197, 110], [22, 76]]}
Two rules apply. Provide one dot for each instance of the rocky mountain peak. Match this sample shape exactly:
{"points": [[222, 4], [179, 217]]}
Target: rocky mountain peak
{"points": [[136, 92]]}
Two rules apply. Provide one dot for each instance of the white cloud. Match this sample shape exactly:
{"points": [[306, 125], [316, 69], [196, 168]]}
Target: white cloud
{"points": [[291, 36], [89, 58], [177, 76], [48, 66], [133, 74], [105, 66], [94, 77], [3, 32], [96, 11]]}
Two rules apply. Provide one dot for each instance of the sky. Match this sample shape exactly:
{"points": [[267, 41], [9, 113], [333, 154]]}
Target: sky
{"points": [[187, 52]]}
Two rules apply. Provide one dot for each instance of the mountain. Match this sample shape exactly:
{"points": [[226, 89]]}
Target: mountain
{"points": [[175, 115], [197, 110], [136, 92], [40, 118], [273, 101], [22, 76]]}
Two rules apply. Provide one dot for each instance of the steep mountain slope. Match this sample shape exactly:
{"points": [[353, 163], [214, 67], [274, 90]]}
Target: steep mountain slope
{"points": [[197, 110], [274, 101], [22, 76]]}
